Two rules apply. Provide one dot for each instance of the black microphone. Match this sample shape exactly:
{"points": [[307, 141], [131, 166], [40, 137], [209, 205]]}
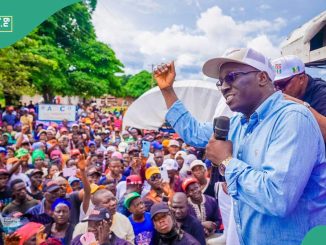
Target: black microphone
{"points": [[221, 127]]}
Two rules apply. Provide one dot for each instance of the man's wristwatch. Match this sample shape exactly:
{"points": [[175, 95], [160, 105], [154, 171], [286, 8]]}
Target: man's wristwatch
{"points": [[223, 164], [306, 104]]}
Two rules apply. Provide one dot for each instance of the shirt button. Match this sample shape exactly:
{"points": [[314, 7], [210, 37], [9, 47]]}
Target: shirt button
{"points": [[239, 155], [238, 225], [234, 203]]}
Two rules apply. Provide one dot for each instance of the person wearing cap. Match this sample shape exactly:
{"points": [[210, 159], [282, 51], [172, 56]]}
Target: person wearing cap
{"points": [[300, 87], [21, 202], [99, 223], [139, 218], [42, 136], [133, 183], [41, 213], [160, 191], [199, 171], [93, 175], [74, 154], [203, 207], [121, 225], [92, 148], [265, 152], [171, 167], [190, 224], [167, 230], [173, 148], [74, 183], [34, 190]]}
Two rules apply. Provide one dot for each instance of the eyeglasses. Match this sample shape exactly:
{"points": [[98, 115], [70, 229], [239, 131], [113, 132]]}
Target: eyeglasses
{"points": [[155, 176], [281, 85], [231, 77]]}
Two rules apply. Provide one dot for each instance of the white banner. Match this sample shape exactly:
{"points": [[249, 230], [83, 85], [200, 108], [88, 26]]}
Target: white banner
{"points": [[48, 112]]}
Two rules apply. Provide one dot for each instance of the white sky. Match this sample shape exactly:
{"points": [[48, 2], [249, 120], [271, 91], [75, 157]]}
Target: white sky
{"points": [[190, 32]]}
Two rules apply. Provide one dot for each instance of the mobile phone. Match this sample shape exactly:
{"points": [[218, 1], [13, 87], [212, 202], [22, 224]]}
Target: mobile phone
{"points": [[145, 148], [164, 174]]}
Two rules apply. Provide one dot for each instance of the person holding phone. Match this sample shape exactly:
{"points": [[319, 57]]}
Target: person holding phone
{"points": [[159, 191], [99, 223]]}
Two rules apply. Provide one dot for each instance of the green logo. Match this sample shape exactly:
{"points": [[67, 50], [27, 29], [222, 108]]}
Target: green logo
{"points": [[6, 24]]}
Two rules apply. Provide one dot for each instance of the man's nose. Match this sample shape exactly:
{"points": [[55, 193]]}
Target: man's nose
{"points": [[225, 87]]}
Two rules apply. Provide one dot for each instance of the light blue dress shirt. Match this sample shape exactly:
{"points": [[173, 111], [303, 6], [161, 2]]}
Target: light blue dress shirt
{"points": [[277, 176]]}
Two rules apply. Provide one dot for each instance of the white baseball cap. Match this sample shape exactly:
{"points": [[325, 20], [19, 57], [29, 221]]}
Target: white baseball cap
{"points": [[122, 147], [173, 143], [170, 164], [287, 66], [246, 56], [197, 163]]}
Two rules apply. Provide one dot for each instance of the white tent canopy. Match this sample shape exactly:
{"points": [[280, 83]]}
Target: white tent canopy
{"points": [[201, 98]]}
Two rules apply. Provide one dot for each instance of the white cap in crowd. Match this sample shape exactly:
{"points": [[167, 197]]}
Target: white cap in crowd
{"points": [[197, 163], [170, 164], [287, 66], [174, 143]]}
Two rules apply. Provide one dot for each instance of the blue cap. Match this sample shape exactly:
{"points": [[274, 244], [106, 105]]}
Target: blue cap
{"points": [[156, 145], [91, 143], [3, 150], [73, 179]]}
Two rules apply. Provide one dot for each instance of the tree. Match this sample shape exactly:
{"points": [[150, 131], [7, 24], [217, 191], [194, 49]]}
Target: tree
{"points": [[139, 84], [85, 67], [61, 57], [16, 67]]}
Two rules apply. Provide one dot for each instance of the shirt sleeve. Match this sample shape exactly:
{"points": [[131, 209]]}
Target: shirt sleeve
{"points": [[190, 130], [274, 188]]}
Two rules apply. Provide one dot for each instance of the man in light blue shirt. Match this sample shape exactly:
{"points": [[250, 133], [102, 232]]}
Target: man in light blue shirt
{"points": [[274, 159]]}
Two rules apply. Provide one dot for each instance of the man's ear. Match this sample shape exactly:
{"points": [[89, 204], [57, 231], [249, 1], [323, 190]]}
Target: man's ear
{"points": [[263, 78]]}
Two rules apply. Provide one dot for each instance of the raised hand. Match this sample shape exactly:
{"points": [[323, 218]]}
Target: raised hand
{"points": [[40, 235], [164, 74], [82, 163], [12, 239]]}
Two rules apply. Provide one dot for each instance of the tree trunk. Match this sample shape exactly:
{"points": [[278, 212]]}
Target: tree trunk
{"points": [[48, 98]]}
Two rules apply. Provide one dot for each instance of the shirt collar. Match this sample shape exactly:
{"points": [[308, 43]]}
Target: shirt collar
{"points": [[264, 109]]}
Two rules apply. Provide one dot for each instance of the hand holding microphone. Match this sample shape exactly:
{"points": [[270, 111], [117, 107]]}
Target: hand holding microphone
{"points": [[218, 148]]}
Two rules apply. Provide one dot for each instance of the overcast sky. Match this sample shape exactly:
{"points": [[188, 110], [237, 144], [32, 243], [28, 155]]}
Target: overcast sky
{"points": [[146, 32]]}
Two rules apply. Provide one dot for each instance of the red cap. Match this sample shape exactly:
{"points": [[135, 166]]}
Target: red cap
{"points": [[187, 182], [3, 171], [63, 129], [74, 152], [134, 180]]}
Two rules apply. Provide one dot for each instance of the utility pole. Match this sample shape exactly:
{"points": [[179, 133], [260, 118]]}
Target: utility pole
{"points": [[152, 80]]}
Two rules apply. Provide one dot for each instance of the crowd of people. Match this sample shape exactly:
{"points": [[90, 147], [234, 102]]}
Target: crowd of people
{"points": [[94, 182], [69, 182]]}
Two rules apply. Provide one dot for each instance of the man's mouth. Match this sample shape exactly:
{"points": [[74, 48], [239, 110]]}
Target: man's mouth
{"points": [[228, 98]]}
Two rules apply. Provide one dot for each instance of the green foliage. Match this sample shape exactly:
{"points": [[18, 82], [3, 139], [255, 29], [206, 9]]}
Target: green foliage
{"points": [[61, 56], [139, 84]]}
